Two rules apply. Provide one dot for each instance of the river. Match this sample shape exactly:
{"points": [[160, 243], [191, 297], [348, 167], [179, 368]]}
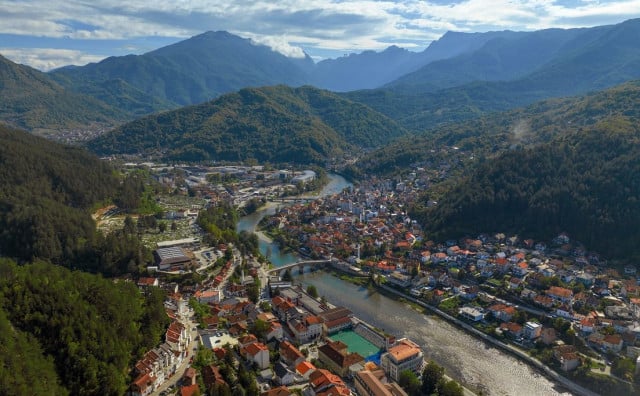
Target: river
{"points": [[466, 359], [335, 185]]}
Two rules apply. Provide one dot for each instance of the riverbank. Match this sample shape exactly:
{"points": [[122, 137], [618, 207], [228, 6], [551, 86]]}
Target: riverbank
{"points": [[422, 307], [467, 359], [521, 355], [551, 374]]}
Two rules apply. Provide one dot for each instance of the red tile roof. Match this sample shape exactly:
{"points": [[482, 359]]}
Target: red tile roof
{"points": [[189, 390]]}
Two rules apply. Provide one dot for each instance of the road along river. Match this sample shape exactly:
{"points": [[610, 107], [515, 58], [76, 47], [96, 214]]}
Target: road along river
{"points": [[466, 358]]}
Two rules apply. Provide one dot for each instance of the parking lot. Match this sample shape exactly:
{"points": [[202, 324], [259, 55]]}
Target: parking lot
{"points": [[216, 339]]}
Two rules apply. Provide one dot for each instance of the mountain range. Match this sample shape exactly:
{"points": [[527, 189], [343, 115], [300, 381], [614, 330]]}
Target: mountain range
{"points": [[459, 76], [511, 71]]}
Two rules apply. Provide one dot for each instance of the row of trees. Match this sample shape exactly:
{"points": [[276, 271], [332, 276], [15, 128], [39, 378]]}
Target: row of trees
{"points": [[431, 382], [84, 331]]}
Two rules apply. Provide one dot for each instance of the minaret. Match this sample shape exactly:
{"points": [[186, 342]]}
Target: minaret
{"points": [[358, 249]]}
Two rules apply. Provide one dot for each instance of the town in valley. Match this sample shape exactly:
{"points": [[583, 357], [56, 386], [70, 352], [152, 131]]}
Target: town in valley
{"points": [[554, 302]]}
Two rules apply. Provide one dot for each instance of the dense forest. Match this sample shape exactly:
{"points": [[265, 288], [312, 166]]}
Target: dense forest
{"points": [[275, 124], [47, 193], [64, 331], [586, 184], [490, 135], [69, 332]]}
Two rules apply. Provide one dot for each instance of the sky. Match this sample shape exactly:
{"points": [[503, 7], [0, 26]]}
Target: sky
{"points": [[47, 34]]}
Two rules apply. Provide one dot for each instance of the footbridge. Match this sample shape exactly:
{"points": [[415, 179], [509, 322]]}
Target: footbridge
{"points": [[294, 199], [299, 264]]}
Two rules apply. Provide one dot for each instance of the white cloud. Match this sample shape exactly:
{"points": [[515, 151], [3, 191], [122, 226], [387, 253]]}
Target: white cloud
{"points": [[285, 25], [279, 44], [47, 58]]}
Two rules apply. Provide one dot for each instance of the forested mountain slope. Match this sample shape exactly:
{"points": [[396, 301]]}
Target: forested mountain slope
{"points": [[276, 124]]}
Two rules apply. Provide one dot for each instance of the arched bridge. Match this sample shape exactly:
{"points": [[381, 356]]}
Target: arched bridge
{"points": [[301, 264]]}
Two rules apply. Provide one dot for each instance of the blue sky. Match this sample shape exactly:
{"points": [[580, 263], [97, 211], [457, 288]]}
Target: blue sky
{"points": [[47, 34]]}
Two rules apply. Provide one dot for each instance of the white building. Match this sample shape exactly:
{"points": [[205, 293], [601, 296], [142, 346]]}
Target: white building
{"points": [[532, 330], [305, 177], [474, 314], [404, 355]]}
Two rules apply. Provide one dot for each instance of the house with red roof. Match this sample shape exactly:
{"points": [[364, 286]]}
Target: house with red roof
{"points": [[335, 356], [404, 355], [324, 383], [189, 376], [211, 377], [209, 296], [290, 354], [561, 294], [257, 353], [279, 391], [146, 282], [502, 312], [190, 390], [211, 322], [305, 368], [567, 356], [544, 301], [613, 342], [143, 385], [307, 329], [521, 269], [511, 328], [246, 340], [275, 331], [178, 338]]}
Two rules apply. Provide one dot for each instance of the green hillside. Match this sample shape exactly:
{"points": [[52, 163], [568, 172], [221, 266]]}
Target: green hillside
{"points": [[67, 332], [119, 94], [63, 331], [557, 166], [277, 124], [488, 135], [46, 192], [32, 100], [585, 184]]}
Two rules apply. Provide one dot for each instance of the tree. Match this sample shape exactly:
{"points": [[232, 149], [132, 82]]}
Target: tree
{"points": [[253, 292], [450, 388], [174, 226], [220, 390], [129, 226], [260, 328], [204, 357], [431, 377], [162, 226], [312, 291], [520, 317], [287, 276], [409, 382]]}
